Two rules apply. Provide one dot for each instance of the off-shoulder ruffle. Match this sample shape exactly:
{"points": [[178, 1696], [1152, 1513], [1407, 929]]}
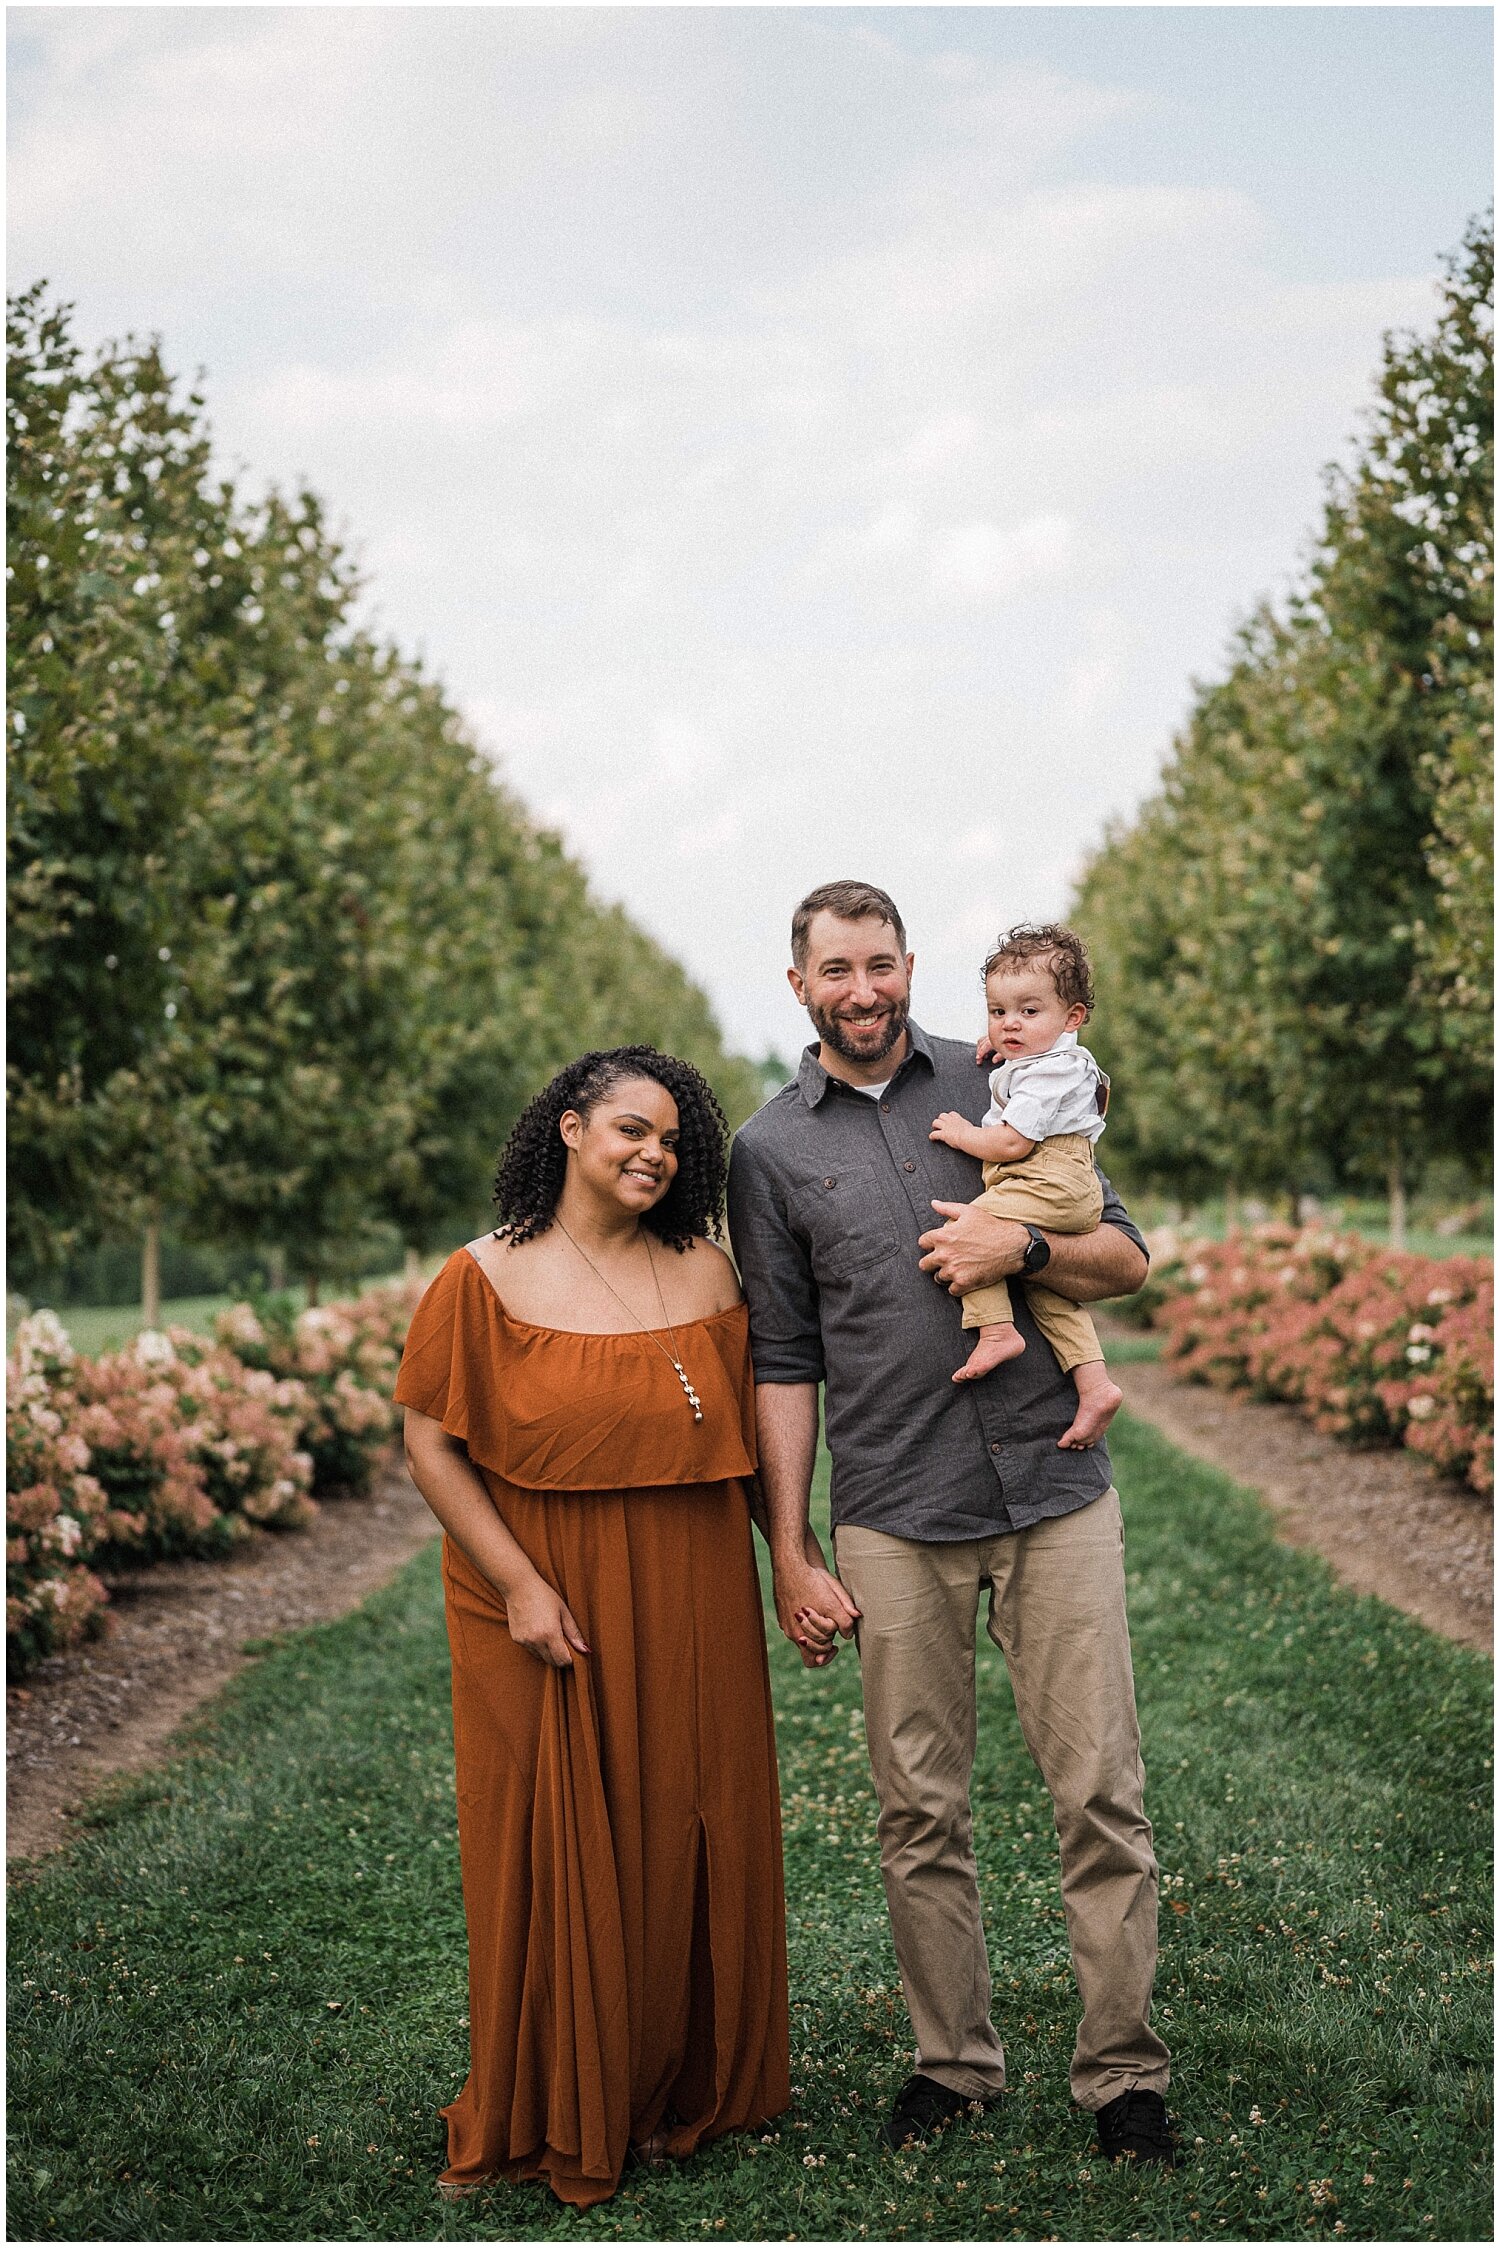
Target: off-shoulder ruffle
{"points": [[549, 1410]]}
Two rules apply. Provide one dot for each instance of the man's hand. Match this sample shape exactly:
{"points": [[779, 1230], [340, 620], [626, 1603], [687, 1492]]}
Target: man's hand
{"points": [[974, 1249], [811, 1607]]}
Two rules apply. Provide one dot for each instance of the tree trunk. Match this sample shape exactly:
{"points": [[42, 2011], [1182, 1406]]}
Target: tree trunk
{"points": [[413, 1262], [313, 1285], [151, 1276], [276, 1269], [1231, 1206], [1396, 1190]]}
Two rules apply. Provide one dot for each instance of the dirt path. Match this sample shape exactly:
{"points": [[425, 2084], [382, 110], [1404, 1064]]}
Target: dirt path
{"points": [[1383, 1521], [179, 1632]]}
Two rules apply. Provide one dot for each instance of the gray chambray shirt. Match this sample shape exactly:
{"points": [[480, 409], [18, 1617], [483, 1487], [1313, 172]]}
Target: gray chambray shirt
{"points": [[828, 1191]]}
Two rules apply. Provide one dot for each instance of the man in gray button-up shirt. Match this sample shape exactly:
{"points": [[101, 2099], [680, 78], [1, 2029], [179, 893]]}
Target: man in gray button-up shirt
{"points": [[943, 1492]]}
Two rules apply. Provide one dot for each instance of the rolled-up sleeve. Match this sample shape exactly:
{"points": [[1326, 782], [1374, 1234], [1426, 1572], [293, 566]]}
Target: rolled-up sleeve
{"points": [[786, 1343], [1115, 1213]]}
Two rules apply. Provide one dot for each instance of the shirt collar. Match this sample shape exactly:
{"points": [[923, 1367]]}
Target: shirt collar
{"points": [[813, 1079], [1060, 1043]]}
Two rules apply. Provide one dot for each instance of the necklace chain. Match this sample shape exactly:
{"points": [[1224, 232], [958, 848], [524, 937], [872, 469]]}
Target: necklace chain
{"points": [[672, 1356]]}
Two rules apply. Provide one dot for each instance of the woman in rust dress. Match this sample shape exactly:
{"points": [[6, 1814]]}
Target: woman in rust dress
{"points": [[579, 1416]]}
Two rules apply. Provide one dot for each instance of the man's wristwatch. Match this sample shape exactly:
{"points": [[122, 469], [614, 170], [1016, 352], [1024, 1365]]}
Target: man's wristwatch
{"points": [[1038, 1252]]}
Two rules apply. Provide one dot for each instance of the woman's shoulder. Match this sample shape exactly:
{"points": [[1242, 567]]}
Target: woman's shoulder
{"points": [[709, 1278]]}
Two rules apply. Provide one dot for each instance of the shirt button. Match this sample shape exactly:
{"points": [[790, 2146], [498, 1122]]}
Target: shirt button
{"points": [[994, 1447], [885, 1104], [908, 1165], [830, 1182]]}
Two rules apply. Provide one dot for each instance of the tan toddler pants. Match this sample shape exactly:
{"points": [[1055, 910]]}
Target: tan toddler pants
{"points": [[1057, 1188], [1057, 1614]]}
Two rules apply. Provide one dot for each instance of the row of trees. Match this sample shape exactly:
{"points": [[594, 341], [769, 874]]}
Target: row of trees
{"points": [[285, 958], [1293, 938]]}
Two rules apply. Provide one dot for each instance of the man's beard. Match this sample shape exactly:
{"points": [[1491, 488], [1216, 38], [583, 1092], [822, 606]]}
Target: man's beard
{"points": [[836, 1035]]}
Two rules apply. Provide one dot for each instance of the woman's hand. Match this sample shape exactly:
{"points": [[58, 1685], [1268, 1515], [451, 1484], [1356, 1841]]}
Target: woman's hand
{"points": [[541, 1623]]}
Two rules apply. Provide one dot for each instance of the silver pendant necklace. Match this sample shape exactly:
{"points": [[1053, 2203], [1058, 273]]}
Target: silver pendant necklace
{"points": [[672, 1356]]}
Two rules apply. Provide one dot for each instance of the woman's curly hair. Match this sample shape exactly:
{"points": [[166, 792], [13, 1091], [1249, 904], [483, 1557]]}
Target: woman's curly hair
{"points": [[534, 1160]]}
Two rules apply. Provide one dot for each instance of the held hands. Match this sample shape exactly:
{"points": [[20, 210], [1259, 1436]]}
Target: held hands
{"points": [[541, 1623], [812, 1607]]}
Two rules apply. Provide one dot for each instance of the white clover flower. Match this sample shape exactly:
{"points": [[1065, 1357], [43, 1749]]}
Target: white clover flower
{"points": [[1417, 1354], [1421, 1408]]}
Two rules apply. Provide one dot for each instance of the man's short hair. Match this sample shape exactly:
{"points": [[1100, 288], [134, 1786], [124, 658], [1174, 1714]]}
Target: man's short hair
{"points": [[847, 901], [1061, 951]]}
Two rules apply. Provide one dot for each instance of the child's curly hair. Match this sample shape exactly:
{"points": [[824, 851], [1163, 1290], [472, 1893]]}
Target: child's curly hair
{"points": [[1060, 950], [534, 1160]]}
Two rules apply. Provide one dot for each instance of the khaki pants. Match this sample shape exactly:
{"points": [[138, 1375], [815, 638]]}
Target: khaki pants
{"points": [[1057, 1613], [1056, 1187]]}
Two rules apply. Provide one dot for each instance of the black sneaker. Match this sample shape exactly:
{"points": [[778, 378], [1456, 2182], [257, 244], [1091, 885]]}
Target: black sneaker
{"points": [[922, 2110], [1134, 2128]]}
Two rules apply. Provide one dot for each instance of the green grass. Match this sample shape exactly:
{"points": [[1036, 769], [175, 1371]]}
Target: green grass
{"points": [[99, 1327], [93, 1328], [239, 2000], [1122, 1348], [1372, 1219]]}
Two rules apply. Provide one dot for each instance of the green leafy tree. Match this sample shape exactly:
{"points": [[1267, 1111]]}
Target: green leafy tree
{"points": [[1292, 939], [109, 505], [286, 960]]}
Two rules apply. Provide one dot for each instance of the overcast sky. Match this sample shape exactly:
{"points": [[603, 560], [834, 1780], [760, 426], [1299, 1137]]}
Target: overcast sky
{"points": [[806, 442]]}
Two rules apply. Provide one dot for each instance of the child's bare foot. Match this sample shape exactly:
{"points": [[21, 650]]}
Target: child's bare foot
{"points": [[1098, 1402], [994, 1347]]}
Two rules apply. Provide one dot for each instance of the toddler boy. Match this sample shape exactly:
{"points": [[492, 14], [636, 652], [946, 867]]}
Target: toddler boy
{"points": [[1047, 1103]]}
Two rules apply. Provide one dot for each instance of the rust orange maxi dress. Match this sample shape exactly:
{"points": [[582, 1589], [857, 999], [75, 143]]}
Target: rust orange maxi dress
{"points": [[619, 1826]]}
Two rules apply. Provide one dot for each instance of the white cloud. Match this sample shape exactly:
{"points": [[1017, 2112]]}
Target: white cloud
{"points": [[793, 462], [988, 561]]}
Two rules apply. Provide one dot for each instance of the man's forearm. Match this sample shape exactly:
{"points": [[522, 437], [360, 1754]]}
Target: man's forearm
{"points": [[786, 1426], [1089, 1267], [973, 1248]]}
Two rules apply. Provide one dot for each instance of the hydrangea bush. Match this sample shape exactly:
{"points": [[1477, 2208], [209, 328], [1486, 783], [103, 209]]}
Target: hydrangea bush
{"points": [[343, 1357], [1375, 1345], [178, 1444]]}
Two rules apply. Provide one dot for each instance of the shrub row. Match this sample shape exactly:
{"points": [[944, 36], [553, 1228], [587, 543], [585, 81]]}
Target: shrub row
{"points": [[178, 1444], [1376, 1346]]}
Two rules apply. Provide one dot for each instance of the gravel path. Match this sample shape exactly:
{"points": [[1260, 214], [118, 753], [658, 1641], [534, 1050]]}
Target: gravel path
{"points": [[178, 1632]]}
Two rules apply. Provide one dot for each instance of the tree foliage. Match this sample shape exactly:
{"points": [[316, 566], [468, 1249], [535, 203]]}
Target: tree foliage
{"points": [[285, 956], [1292, 939]]}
